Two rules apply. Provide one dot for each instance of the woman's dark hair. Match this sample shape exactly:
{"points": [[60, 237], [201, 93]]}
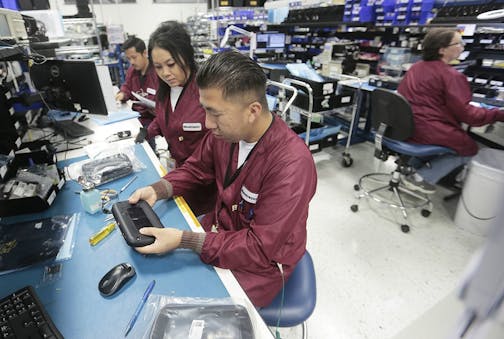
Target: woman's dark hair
{"points": [[434, 40], [173, 37], [134, 42], [235, 75]]}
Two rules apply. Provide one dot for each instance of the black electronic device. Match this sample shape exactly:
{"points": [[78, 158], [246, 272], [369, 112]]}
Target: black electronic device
{"points": [[70, 129], [131, 218], [67, 88], [22, 315], [116, 278], [102, 170]]}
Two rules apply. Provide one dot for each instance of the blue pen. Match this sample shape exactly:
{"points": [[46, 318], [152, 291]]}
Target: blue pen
{"points": [[139, 307]]}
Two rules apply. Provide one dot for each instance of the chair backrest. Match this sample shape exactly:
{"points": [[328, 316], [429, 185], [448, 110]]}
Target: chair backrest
{"points": [[393, 110]]}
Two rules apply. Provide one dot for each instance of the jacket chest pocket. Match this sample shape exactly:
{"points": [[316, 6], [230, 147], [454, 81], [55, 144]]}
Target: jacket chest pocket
{"points": [[245, 207]]}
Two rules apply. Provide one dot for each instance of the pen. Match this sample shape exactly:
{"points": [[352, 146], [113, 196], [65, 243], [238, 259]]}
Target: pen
{"points": [[128, 183], [101, 234], [139, 307]]}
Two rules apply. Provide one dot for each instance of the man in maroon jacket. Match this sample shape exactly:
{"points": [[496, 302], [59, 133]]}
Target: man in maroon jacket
{"points": [[265, 178], [141, 79], [440, 99]]}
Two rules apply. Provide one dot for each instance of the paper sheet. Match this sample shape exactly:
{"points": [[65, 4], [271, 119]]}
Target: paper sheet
{"points": [[144, 101]]}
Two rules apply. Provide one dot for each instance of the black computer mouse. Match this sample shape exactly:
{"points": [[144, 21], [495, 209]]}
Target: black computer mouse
{"points": [[114, 279]]}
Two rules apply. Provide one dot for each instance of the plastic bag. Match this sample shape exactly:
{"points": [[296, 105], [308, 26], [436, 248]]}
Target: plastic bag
{"points": [[31, 242], [105, 165], [195, 318]]}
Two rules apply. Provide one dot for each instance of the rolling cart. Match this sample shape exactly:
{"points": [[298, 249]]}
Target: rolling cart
{"points": [[316, 136], [347, 160]]}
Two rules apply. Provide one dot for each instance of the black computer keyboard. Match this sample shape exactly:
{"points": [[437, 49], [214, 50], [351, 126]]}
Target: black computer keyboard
{"points": [[23, 316], [70, 129]]}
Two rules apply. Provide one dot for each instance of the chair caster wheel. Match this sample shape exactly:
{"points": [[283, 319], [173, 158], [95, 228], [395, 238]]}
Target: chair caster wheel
{"points": [[347, 161], [405, 228], [354, 208], [356, 187], [426, 213]]}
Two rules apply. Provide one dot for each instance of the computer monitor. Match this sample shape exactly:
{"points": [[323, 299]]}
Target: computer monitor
{"points": [[270, 40], [75, 85]]}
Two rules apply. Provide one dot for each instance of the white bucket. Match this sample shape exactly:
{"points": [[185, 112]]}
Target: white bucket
{"points": [[483, 193]]}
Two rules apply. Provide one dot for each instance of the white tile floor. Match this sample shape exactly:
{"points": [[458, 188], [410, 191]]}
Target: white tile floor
{"points": [[372, 279]]}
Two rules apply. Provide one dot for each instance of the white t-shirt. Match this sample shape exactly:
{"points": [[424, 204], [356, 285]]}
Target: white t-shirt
{"points": [[244, 151], [174, 96]]}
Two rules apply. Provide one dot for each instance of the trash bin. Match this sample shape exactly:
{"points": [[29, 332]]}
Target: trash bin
{"points": [[483, 193]]}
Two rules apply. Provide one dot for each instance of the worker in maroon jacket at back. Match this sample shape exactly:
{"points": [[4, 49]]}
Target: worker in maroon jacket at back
{"points": [[440, 97], [265, 178], [141, 78]]}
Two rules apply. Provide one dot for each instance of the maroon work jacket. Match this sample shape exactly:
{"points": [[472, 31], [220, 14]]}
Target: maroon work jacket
{"points": [[261, 216], [149, 87], [183, 128], [439, 96]]}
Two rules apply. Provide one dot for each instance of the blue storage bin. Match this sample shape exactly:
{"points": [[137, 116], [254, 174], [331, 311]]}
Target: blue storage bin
{"points": [[10, 4], [389, 16], [423, 6], [367, 3], [367, 14], [388, 5]]}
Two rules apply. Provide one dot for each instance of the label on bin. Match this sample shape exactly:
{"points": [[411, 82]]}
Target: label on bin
{"points": [[346, 99], [51, 198], [327, 88]]}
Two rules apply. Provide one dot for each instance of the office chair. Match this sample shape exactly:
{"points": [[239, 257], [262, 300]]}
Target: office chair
{"points": [[299, 299], [392, 120]]}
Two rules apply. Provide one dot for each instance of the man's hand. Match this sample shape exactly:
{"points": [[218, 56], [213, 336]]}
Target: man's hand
{"points": [[145, 193], [119, 96], [167, 239]]}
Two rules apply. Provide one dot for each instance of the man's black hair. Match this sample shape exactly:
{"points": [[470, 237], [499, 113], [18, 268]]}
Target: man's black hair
{"points": [[173, 37], [135, 42], [235, 75], [435, 39]]}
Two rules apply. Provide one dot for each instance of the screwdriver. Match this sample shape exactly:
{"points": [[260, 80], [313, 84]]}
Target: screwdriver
{"points": [[101, 234]]}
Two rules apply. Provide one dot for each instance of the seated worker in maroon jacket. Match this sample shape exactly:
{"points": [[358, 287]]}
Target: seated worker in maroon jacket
{"points": [[179, 115], [439, 96], [265, 177], [140, 78]]}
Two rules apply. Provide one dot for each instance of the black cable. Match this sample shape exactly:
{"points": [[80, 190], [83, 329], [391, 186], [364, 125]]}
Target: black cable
{"points": [[37, 58]]}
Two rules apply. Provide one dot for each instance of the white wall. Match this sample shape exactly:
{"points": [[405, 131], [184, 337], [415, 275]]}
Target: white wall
{"points": [[141, 18]]}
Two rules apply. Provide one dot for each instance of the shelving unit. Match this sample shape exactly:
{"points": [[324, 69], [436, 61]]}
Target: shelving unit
{"points": [[207, 30], [14, 124], [85, 40]]}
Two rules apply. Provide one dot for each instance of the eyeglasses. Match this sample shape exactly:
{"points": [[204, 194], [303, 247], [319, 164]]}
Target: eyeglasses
{"points": [[461, 43]]}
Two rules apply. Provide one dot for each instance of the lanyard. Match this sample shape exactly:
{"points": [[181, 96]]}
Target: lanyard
{"points": [[229, 179]]}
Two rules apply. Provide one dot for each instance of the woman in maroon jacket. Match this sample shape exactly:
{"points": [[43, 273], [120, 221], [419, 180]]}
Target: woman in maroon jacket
{"points": [[179, 115], [440, 99]]}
